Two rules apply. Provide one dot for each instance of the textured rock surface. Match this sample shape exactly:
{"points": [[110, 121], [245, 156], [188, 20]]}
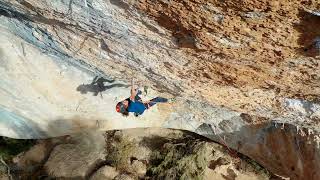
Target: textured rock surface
{"points": [[246, 73], [105, 172], [78, 158]]}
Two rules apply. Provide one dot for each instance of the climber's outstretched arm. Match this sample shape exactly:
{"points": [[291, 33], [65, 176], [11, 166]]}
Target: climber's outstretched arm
{"points": [[133, 90]]}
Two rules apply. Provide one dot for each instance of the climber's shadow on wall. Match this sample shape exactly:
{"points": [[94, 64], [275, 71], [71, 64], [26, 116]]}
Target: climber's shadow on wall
{"points": [[309, 29], [98, 85]]}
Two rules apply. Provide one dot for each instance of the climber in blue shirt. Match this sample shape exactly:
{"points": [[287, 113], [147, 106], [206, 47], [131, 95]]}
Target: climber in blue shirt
{"points": [[135, 104]]}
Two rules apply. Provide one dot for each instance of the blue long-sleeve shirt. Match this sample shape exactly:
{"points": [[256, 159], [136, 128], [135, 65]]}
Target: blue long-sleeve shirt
{"points": [[136, 107]]}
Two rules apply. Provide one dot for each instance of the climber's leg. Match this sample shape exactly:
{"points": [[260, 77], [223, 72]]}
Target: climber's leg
{"points": [[157, 100]]}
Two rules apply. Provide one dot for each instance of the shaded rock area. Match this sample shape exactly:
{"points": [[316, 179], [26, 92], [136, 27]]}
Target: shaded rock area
{"points": [[30, 159], [134, 154], [284, 149]]}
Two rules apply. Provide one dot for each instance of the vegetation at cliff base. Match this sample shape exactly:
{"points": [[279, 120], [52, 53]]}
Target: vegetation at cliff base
{"points": [[10, 147]]}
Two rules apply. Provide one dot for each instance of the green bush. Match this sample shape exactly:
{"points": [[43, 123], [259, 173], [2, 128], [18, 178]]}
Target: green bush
{"points": [[10, 147]]}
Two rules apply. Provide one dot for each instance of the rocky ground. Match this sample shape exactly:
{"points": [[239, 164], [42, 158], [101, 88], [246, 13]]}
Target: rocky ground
{"points": [[133, 154]]}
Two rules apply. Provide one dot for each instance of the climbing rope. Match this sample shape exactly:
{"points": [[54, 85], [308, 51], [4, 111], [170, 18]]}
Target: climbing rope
{"points": [[232, 152]]}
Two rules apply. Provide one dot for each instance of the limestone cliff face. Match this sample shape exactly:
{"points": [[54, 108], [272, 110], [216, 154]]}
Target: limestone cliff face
{"points": [[244, 73]]}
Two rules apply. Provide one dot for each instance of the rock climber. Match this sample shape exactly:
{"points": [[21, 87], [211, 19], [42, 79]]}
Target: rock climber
{"points": [[135, 104]]}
